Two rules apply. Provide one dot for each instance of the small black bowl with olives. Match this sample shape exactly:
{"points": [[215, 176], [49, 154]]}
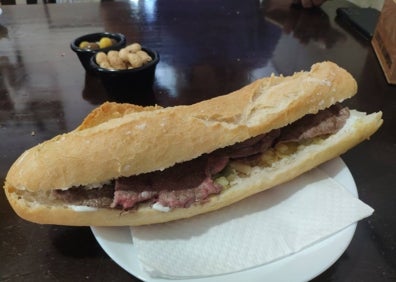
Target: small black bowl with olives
{"points": [[88, 45]]}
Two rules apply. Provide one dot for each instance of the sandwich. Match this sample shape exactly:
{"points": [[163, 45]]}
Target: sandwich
{"points": [[128, 165]]}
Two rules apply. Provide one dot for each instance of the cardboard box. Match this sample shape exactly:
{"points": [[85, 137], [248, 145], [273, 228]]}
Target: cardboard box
{"points": [[384, 40]]}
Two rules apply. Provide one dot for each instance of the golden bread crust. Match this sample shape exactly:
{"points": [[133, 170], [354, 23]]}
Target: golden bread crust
{"points": [[111, 110], [134, 140]]}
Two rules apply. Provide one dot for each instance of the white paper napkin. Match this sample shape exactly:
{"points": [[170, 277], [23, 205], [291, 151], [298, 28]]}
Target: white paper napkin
{"points": [[263, 228]]}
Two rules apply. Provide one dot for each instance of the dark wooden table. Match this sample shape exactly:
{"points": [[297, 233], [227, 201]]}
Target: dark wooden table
{"points": [[207, 48]]}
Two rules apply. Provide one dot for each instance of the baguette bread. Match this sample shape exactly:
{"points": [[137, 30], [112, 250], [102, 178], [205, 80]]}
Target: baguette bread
{"points": [[120, 140]]}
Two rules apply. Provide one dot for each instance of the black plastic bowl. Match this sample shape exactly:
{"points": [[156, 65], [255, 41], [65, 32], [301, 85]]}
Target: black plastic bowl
{"points": [[130, 84], [85, 55]]}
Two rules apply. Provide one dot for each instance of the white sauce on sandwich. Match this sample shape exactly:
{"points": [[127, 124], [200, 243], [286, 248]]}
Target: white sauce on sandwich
{"points": [[161, 208], [82, 208]]}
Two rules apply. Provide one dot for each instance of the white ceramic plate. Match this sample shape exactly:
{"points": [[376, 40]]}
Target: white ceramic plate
{"points": [[301, 266]]}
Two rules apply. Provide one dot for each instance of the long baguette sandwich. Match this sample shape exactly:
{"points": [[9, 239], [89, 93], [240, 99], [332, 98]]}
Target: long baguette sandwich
{"points": [[132, 165]]}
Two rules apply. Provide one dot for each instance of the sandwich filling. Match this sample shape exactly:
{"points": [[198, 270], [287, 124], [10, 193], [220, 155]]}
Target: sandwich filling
{"points": [[193, 182]]}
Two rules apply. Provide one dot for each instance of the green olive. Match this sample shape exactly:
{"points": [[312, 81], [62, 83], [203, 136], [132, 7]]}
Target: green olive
{"points": [[83, 44], [105, 42]]}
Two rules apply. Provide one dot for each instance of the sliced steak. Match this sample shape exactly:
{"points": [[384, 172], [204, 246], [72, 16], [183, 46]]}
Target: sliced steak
{"points": [[252, 146], [95, 197], [325, 122], [190, 182], [178, 186]]}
